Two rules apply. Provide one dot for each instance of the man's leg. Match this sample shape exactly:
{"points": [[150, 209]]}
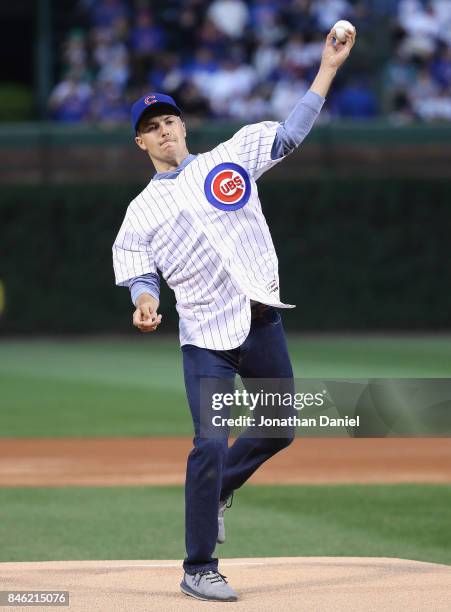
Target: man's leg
{"points": [[205, 462], [263, 355]]}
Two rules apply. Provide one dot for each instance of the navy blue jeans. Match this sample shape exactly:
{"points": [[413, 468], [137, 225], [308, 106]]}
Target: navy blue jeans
{"points": [[214, 471]]}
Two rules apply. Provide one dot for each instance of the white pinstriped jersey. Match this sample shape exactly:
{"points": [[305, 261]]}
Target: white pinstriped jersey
{"points": [[205, 231]]}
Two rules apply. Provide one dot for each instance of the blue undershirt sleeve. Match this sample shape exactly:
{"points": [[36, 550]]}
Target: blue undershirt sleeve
{"points": [[147, 283], [295, 128]]}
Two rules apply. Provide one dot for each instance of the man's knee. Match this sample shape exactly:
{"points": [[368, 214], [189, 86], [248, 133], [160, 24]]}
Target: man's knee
{"points": [[210, 447], [208, 457]]}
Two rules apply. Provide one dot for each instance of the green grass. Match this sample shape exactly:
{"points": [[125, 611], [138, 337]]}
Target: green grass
{"points": [[405, 521], [121, 387]]}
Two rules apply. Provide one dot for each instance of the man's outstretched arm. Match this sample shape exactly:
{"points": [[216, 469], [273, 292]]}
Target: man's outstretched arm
{"points": [[334, 55], [295, 128]]}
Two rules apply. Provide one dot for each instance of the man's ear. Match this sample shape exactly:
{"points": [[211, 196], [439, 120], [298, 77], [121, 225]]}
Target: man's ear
{"points": [[184, 127], [139, 142]]}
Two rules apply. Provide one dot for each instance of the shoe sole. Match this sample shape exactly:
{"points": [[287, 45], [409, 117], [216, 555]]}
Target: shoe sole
{"points": [[191, 593]]}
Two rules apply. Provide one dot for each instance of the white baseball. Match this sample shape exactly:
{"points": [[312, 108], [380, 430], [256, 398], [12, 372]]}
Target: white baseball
{"points": [[341, 27]]}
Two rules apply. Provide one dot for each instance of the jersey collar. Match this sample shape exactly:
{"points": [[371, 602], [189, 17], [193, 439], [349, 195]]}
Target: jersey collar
{"points": [[174, 173]]}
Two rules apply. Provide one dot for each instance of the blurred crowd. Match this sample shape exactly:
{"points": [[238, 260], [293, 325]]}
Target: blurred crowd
{"points": [[417, 78], [237, 60]]}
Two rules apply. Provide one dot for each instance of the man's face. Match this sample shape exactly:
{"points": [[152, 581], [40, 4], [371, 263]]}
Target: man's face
{"points": [[163, 137]]}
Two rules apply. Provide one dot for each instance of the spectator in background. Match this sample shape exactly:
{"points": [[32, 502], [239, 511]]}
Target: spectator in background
{"points": [[120, 31], [401, 112], [441, 66], [261, 12], [168, 74], [253, 107], [146, 37], [108, 105], [146, 40], [195, 106], [442, 11], [200, 69], [74, 51], [116, 70], [273, 31], [423, 87], [425, 96], [294, 50], [328, 12], [399, 76], [229, 16], [356, 100], [105, 48], [435, 107], [105, 12], [301, 54], [213, 39], [266, 60], [290, 87], [298, 15], [421, 27], [234, 79], [185, 30], [70, 100], [267, 23]]}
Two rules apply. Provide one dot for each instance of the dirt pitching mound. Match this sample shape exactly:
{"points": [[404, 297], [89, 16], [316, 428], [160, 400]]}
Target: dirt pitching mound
{"points": [[292, 584]]}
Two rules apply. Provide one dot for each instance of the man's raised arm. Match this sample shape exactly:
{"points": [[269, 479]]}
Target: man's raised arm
{"points": [[334, 55], [295, 128]]}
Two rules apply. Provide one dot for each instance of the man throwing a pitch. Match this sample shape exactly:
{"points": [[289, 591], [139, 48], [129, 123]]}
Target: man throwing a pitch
{"points": [[199, 223]]}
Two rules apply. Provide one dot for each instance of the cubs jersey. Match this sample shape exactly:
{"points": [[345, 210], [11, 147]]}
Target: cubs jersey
{"points": [[205, 231]]}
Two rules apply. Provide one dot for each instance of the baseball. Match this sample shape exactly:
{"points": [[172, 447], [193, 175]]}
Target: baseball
{"points": [[341, 27]]}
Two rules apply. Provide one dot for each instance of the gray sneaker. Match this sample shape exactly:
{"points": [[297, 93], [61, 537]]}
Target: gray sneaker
{"points": [[207, 585], [223, 505]]}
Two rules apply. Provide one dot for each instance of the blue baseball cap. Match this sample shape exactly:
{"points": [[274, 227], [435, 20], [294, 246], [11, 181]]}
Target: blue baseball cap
{"points": [[152, 101]]}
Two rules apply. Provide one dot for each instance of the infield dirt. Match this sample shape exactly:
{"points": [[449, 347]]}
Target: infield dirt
{"points": [[58, 462]]}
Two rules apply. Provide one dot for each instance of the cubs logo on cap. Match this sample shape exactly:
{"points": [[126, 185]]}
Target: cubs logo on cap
{"points": [[228, 187]]}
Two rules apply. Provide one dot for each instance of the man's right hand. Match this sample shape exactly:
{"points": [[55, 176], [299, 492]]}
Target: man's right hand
{"points": [[145, 317]]}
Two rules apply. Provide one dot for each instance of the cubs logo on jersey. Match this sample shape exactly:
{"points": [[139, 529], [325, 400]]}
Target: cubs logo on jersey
{"points": [[228, 187]]}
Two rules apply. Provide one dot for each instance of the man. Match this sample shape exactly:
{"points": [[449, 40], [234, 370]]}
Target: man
{"points": [[199, 222]]}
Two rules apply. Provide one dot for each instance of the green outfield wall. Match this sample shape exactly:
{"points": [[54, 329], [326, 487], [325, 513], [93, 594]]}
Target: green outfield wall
{"points": [[354, 254], [52, 154]]}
